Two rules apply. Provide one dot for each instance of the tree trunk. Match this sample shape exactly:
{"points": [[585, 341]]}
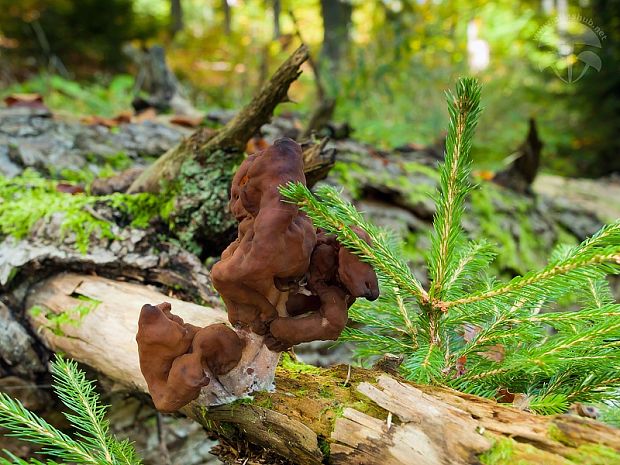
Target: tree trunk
{"points": [[277, 8], [336, 21], [176, 17], [356, 416], [227, 17]]}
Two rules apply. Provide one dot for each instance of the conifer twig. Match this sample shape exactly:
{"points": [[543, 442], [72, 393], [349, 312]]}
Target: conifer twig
{"points": [[464, 109]]}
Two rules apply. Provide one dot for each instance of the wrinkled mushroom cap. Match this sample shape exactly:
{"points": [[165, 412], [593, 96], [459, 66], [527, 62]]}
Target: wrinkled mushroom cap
{"points": [[355, 275]]}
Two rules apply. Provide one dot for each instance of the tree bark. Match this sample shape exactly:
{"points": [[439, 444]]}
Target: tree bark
{"points": [[357, 416], [227, 17], [276, 6]]}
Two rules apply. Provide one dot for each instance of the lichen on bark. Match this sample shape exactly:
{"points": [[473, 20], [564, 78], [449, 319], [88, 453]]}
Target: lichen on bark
{"points": [[200, 218]]}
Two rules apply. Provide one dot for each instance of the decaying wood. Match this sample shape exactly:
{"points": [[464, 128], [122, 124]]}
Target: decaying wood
{"points": [[101, 332], [132, 254], [318, 161], [363, 416], [231, 138]]}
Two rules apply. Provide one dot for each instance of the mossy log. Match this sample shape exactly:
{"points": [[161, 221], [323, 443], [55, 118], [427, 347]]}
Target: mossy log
{"points": [[339, 415]]}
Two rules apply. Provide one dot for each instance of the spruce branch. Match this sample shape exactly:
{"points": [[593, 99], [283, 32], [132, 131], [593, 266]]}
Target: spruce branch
{"points": [[454, 185], [337, 218], [599, 254], [27, 426], [79, 395], [496, 335], [93, 446]]}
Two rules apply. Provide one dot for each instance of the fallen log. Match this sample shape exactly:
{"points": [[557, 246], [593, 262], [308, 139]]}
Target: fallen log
{"points": [[341, 415]]}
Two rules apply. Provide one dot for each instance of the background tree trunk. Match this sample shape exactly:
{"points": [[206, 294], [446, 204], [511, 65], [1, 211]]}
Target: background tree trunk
{"points": [[358, 416], [336, 22], [227, 17], [277, 9], [176, 17]]}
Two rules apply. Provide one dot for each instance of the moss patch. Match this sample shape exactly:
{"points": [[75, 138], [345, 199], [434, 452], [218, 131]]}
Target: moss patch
{"points": [[317, 396], [506, 451], [28, 199], [595, 454], [506, 220], [558, 435]]}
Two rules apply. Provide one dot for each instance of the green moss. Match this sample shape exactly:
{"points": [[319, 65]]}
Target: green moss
{"points": [[35, 311], [414, 184], [72, 316], [595, 454], [324, 447], [499, 454], [119, 161], [294, 366], [326, 392], [107, 166], [506, 451], [266, 403], [349, 175], [29, 198], [558, 435], [497, 212]]}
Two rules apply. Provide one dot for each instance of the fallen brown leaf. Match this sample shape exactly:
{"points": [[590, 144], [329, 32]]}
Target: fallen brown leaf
{"points": [[25, 100], [69, 188], [146, 115], [187, 121], [495, 353]]}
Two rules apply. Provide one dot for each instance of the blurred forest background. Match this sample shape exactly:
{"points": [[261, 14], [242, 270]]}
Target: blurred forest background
{"points": [[386, 62]]}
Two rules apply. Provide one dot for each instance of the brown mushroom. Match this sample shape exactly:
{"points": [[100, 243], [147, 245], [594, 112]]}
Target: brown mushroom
{"points": [[276, 279], [176, 358], [335, 278], [275, 239]]}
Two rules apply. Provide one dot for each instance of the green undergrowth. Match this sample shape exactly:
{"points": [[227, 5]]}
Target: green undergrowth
{"points": [[508, 220], [81, 98], [28, 199], [71, 316]]}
